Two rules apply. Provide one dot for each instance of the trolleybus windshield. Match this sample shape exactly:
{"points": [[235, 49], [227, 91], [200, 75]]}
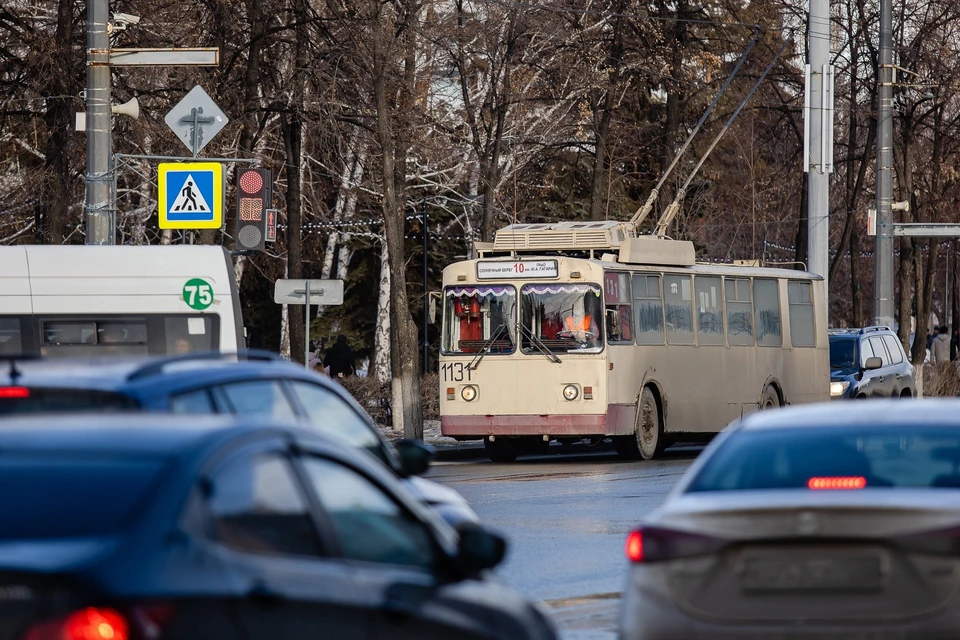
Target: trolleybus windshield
{"points": [[566, 317], [474, 315]]}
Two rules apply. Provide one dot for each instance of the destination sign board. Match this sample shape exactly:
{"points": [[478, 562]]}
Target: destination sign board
{"points": [[516, 269]]}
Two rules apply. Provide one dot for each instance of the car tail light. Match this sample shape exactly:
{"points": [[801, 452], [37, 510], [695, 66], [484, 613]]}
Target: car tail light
{"points": [[837, 482], [653, 544], [102, 623], [14, 392]]}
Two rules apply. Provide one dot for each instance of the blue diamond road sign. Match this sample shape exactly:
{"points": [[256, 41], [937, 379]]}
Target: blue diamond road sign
{"points": [[190, 195]]}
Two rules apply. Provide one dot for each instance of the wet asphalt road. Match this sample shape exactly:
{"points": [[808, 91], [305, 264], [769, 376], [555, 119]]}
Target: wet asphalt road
{"points": [[566, 517]]}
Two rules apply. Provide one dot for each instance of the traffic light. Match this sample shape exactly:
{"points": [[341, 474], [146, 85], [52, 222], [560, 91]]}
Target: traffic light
{"points": [[254, 197]]}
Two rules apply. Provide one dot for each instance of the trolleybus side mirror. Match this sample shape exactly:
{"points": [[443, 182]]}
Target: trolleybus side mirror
{"points": [[435, 297], [872, 363]]}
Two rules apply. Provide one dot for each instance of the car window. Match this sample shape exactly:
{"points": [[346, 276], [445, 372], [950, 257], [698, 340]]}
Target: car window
{"points": [[831, 457], [879, 350], [258, 397], [843, 353], [198, 401], [893, 346], [256, 506], [369, 525], [329, 414], [866, 351]]}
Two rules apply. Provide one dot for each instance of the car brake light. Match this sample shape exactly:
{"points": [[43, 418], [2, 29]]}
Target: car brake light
{"points": [[14, 392], [96, 624], [653, 544], [99, 623], [839, 482]]}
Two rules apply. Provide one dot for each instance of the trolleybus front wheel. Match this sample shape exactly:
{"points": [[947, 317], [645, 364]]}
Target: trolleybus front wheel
{"points": [[647, 440]]}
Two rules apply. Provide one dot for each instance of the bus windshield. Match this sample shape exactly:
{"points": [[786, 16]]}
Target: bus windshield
{"points": [[562, 317], [479, 318]]}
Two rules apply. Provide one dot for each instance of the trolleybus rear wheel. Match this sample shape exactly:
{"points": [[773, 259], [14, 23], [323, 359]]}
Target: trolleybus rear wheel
{"points": [[500, 450], [647, 440], [771, 400]]}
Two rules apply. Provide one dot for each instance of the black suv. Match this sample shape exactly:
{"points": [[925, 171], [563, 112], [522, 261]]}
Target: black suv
{"points": [[869, 363]]}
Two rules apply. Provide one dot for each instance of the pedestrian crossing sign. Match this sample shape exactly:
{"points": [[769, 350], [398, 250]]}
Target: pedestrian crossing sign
{"points": [[190, 195]]}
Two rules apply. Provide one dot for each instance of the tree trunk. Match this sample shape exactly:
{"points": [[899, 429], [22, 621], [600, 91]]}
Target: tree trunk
{"points": [[292, 132], [381, 342]]}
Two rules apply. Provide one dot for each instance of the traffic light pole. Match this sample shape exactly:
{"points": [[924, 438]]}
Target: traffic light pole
{"points": [[100, 216]]}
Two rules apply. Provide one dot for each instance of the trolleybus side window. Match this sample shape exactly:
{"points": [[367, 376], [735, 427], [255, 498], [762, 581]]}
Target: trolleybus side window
{"points": [[479, 318], [678, 307], [616, 295], [648, 308], [766, 305], [709, 310], [560, 317], [739, 312], [802, 323]]}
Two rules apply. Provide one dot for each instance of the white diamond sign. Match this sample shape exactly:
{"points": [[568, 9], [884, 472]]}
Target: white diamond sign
{"points": [[196, 119]]}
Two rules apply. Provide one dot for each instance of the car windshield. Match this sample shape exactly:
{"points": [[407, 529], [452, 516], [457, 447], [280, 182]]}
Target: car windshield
{"points": [[48, 497], [52, 399], [814, 457], [479, 318], [561, 317], [843, 353]]}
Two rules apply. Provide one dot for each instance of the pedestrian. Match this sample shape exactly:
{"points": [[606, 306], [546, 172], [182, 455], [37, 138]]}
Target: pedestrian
{"points": [[316, 364], [940, 351], [340, 358]]}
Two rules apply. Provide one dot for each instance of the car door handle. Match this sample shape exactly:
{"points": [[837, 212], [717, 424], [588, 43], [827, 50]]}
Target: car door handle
{"points": [[881, 378], [262, 593]]}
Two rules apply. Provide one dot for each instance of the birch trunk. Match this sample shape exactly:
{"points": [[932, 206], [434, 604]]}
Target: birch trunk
{"points": [[381, 346]]}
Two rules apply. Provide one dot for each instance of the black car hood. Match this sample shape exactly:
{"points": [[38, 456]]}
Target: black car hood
{"points": [[836, 374]]}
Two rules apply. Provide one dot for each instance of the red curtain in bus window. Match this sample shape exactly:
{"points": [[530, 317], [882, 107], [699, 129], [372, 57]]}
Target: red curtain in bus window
{"points": [[471, 327]]}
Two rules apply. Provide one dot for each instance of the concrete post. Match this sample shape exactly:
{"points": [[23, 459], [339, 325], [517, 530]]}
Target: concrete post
{"points": [[883, 265], [819, 141], [100, 217]]}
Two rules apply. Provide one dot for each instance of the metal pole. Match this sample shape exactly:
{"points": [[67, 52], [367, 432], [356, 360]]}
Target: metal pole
{"points": [[426, 291], [306, 327], [883, 265], [819, 142], [100, 217]]}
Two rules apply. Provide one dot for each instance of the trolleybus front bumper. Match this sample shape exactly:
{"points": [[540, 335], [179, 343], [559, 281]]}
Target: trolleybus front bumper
{"points": [[524, 425]]}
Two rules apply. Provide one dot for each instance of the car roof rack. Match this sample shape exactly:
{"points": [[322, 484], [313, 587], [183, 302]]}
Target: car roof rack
{"points": [[157, 367], [874, 329]]}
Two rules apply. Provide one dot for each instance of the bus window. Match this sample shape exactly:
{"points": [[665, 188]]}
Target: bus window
{"points": [[648, 309], [616, 296], [187, 334], [93, 338], [11, 342], [678, 304], [739, 312], [802, 325], [766, 305], [481, 317], [562, 317], [709, 310]]}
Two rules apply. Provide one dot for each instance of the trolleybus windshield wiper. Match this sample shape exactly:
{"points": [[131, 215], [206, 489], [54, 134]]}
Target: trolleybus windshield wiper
{"points": [[544, 349], [485, 348]]}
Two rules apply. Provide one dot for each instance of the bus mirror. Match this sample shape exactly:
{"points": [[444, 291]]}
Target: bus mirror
{"points": [[434, 300]]}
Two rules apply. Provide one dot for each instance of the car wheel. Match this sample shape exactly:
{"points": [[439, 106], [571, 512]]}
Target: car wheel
{"points": [[770, 400], [647, 440], [500, 450]]}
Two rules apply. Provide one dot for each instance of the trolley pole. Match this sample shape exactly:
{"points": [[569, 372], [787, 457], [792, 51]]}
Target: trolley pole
{"points": [[100, 218], [883, 260], [818, 123]]}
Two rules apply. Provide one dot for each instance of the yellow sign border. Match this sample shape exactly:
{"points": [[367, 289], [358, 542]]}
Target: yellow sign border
{"points": [[216, 205]]}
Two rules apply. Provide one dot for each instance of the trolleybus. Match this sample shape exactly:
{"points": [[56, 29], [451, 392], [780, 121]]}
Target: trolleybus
{"points": [[631, 339]]}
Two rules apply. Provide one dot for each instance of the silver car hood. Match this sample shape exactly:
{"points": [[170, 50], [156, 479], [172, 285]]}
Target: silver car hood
{"points": [[452, 506]]}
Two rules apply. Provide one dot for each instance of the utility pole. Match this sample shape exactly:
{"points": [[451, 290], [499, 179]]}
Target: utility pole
{"points": [[883, 247], [818, 141], [100, 218]]}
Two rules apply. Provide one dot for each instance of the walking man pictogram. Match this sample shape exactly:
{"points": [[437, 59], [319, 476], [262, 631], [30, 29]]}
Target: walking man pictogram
{"points": [[187, 193]]}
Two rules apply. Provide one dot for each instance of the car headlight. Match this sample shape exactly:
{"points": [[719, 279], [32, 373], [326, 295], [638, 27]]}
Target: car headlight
{"points": [[839, 388], [571, 392], [469, 393]]}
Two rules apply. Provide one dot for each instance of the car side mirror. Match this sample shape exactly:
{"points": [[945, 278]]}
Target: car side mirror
{"points": [[479, 549], [873, 363], [415, 457]]}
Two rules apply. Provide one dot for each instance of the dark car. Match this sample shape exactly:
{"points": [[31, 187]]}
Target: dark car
{"points": [[155, 527], [869, 363], [251, 383]]}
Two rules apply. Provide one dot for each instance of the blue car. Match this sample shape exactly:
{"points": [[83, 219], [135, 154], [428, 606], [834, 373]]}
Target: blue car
{"points": [[869, 363], [249, 384], [137, 527]]}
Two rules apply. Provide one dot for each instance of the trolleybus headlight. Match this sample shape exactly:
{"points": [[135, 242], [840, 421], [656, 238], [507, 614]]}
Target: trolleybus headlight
{"points": [[839, 388], [469, 393], [570, 392]]}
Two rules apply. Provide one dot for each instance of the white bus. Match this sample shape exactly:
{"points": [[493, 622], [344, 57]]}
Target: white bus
{"points": [[633, 341], [81, 301]]}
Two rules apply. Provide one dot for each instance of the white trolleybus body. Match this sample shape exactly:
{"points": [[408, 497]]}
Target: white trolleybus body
{"points": [[633, 341]]}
